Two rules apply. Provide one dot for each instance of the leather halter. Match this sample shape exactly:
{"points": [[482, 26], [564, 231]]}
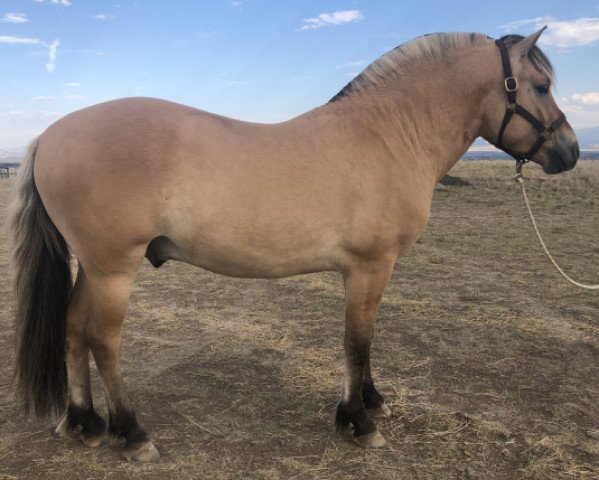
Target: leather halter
{"points": [[511, 87]]}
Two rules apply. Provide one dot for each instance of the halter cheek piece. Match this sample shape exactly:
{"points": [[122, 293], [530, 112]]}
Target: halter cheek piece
{"points": [[511, 87]]}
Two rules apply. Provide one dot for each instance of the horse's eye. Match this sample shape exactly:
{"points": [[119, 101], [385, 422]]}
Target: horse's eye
{"points": [[542, 89]]}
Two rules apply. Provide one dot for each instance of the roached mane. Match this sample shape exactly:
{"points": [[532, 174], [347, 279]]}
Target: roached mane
{"points": [[429, 47]]}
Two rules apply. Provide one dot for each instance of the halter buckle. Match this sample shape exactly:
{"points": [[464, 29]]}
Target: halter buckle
{"points": [[511, 84]]}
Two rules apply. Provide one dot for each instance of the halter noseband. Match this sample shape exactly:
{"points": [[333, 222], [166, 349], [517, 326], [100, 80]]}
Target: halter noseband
{"points": [[511, 87]]}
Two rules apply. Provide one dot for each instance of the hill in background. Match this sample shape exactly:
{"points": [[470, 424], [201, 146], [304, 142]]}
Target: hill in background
{"points": [[588, 139]]}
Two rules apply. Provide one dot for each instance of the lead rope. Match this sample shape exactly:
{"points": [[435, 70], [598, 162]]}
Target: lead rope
{"points": [[520, 179]]}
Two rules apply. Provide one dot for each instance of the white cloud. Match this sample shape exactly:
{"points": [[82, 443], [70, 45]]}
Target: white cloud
{"points": [[581, 117], [582, 109], [52, 48], [103, 16], [236, 5], [51, 65], [14, 18], [339, 17], [64, 3], [236, 83], [52, 98], [517, 24], [590, 98], [354, 64], [19, 40], [19, 127], [71, 84], [562, 33], [45, 98], [33, 113]]}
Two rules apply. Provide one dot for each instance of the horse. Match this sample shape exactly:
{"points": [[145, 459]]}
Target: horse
{"points": [[346, 187]]}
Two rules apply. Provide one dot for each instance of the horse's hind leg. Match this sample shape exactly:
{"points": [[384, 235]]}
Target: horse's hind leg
{"points": [[364, 286], [108, 301], [80, 418]]}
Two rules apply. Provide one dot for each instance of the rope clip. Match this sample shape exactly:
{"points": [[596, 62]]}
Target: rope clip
{"points": [[519, 178]]}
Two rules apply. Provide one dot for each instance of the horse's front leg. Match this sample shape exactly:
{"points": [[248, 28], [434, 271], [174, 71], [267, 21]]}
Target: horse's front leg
{"points": [[374, 402], [364, 286]]}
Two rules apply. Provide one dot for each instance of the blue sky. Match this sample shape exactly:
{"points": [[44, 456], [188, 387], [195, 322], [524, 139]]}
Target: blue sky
{"points": [[255, 60]]}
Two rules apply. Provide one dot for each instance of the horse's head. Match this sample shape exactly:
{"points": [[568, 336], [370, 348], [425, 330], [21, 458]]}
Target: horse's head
{"points": [[523, 119]]}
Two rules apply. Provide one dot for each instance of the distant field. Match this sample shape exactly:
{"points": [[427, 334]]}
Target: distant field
{"points": [[489, 360], [10, 162]]}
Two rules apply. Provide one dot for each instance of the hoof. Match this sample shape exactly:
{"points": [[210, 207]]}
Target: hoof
{"points": [[84, 425], [93, 441], [372, 440], [381, 412], [144, 453], [344, 432], [62, 430]]}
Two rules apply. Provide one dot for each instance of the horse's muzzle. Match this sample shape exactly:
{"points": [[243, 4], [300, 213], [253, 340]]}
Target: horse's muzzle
{"points": [[562, 157]]}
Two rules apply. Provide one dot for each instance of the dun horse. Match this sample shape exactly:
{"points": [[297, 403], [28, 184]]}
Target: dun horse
{"points": [[346, 187]]}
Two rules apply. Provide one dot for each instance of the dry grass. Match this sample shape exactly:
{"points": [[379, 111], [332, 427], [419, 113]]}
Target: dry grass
{"points": [[488, 359]]}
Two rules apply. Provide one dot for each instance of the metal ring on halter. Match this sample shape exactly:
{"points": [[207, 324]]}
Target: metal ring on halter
{"points": [[515, 84], [546, 134]]}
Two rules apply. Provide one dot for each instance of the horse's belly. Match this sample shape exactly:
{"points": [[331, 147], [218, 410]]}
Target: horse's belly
{"points": [[251, 256]]}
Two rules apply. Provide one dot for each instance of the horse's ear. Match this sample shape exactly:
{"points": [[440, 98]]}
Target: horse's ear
{"points": [[524, 45]]}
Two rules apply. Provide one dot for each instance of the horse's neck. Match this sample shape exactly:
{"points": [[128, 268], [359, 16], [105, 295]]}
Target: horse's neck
{"points": [[427, 119]]}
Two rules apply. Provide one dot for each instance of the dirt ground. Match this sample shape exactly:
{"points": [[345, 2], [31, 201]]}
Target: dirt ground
{"points": [[489, 360]]}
